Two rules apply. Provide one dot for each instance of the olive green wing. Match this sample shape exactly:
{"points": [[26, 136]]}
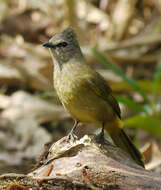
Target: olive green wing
{"points": [[101, 89]]}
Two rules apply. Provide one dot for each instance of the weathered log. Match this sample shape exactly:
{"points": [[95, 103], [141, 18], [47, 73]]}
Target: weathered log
{"points": [[84, 164]]}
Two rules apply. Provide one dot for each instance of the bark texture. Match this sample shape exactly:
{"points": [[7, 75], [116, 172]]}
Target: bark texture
{"points": [[84, 164]]}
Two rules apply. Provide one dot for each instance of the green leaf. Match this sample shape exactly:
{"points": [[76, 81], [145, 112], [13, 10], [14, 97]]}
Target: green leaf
{"points": [[152, 124], [94, 188], [156, 79], [48, 94], [121, 74], [131, 103]]}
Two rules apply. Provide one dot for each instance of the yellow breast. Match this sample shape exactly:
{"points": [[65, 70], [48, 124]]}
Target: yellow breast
{"points": [[69, 84]]}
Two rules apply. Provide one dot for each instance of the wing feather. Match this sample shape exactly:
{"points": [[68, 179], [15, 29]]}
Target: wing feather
{"points": [[100, 87]]}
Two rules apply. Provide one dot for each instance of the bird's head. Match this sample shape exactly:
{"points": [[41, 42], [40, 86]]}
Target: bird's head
{"points": [[64, 46]]}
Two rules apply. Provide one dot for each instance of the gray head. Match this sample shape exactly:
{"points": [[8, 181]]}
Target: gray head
{"points": [[64, 46]]}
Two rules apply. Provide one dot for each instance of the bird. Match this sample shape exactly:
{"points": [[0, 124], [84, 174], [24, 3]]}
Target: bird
{"points": [[85, 94]]}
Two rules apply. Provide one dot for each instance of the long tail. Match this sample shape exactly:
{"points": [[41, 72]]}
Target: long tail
{"points": [[123, 141]]}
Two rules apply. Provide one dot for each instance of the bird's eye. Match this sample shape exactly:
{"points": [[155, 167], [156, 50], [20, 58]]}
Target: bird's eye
{"points": [[62, 44]]}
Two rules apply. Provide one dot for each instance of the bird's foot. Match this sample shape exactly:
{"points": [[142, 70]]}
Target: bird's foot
{"points": [[100, 137], [72, 137]]}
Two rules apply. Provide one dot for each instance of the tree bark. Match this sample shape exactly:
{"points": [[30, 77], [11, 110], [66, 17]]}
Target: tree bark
{"points": [[84, 164]]}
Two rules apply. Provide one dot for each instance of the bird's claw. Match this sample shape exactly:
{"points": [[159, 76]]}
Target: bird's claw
{"points": [[72, 136], [101, 138]]}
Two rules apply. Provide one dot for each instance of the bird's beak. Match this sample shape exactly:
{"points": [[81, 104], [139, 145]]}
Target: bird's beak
{"points": [[48, 44]]}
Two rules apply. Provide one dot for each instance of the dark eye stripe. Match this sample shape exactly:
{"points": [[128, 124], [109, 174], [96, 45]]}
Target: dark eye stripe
{"points": [[62, 44]]}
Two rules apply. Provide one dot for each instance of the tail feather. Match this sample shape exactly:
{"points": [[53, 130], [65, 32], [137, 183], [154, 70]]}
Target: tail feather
{"points": [[123, 141]]}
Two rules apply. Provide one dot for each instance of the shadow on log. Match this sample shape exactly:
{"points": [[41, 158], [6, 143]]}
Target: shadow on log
{"points": [[81, 165]]}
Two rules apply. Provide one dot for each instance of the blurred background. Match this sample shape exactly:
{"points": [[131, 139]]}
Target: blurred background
{"points": [[121, 39]]}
